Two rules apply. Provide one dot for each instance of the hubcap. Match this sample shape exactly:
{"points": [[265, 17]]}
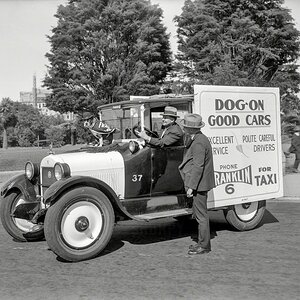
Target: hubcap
{"points": [[246, 205], [82, 223], [246, 211]]}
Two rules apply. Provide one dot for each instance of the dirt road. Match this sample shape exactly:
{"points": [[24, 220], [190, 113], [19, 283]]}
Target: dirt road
{"points": [[150, 261]]}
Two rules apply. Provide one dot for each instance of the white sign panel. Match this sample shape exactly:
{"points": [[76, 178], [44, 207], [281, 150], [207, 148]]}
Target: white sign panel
{"points": [[243, 126]]}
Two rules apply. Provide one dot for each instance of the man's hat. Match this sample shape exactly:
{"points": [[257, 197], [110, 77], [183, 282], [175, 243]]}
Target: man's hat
{"points": [[103, 128], [193, 121], [170, 111], [87, 115]]}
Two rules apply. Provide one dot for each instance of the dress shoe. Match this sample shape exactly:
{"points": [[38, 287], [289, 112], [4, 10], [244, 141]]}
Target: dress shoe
{"points": [[198, 250], [194, 246]]}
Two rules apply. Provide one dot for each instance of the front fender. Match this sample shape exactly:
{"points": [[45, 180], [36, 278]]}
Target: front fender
{"points": [[20, 182], [57, 189]]}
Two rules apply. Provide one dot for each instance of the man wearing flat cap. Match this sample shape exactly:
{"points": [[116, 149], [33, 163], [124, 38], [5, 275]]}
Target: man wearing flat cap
{"points": [[197, 172], [172, 133]]}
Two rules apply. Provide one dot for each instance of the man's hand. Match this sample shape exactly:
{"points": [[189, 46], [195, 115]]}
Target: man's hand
{"points": [[189, 193], [144, 136]]}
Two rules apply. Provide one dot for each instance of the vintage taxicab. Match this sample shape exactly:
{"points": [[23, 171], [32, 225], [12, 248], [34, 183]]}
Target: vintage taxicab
{"points": [[74, 199]]}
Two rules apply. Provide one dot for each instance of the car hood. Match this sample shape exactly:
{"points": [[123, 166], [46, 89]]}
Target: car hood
{"points": [[84, 161], [106, 166]]}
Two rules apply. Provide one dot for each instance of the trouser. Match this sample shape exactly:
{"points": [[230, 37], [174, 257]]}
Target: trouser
{"points": [[296, 163], [201, 215]]}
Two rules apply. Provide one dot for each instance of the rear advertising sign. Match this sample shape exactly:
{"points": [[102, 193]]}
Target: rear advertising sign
{"points": [[243, 127]]}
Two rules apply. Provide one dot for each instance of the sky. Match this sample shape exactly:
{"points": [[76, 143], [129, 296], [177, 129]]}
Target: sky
{"points": [[24, 25]]}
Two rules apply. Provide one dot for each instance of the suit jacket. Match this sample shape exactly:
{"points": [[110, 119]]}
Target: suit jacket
{"points": [[196, 169], [295, 145], [173, 135]]}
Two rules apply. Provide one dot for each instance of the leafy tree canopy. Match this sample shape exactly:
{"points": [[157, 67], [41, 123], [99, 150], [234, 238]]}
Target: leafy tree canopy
{"points": [[7, 113], [7, 118], [22, 124], [240, 42], [105, 50]]}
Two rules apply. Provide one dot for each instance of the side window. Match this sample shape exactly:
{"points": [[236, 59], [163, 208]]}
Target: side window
{"points": [[183, 109], [156, 123], [131, 117], [121, 119]]}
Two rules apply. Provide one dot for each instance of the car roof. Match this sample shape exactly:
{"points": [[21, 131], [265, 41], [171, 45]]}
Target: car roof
{"points": [[151, 101]]}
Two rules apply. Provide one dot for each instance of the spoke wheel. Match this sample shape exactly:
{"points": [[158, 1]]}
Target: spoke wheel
{"points": [[80, 224], [20, 229]]}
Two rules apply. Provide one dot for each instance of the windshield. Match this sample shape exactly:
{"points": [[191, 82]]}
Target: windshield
{"points": [[123, 119]]}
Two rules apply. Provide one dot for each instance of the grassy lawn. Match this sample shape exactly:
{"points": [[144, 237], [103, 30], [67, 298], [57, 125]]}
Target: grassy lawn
{"points": [[13, 159]]}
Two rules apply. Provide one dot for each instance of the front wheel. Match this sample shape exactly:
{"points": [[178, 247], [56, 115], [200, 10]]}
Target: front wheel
{"points": [[80, 224], [20, 229], [245, 216]]}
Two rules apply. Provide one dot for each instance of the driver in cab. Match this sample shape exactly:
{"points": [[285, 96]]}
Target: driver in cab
{"points": [[172, 134]]}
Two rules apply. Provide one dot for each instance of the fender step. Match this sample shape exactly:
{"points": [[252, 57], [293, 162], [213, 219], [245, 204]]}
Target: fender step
{"points": [[164, 214]]}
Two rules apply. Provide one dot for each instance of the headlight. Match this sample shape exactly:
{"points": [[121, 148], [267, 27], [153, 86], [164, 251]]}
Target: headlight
{"points": [[61, 171], [133, 147], [32, 170]]}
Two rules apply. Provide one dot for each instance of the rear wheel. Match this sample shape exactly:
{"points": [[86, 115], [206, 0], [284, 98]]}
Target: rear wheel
{"points": [[20, 229], [245, 216], [80, 224]]}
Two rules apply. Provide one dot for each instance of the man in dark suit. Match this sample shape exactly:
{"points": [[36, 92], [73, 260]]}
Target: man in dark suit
{"points": [[295, 147], [172, 133], [197, 172]]}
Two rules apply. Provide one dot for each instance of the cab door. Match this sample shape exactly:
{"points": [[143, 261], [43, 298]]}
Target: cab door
{"points": [[165, 176], [138, 174]]}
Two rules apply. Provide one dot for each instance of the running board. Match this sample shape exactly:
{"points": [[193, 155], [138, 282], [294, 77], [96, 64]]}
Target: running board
{"points": [[164, 214]]}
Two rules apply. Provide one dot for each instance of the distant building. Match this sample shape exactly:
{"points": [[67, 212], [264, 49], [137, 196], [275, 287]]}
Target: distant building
{"points": [[40, 95]]}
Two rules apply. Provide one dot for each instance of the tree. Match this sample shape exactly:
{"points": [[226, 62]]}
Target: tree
{"points": [[7, 118], [240, 42], [26, 137], [22, 124], [30, 124], [56, 135], [105, 50]]}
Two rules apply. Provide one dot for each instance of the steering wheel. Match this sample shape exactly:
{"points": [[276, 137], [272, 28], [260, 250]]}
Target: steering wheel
{"points": [[137, 128]]}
